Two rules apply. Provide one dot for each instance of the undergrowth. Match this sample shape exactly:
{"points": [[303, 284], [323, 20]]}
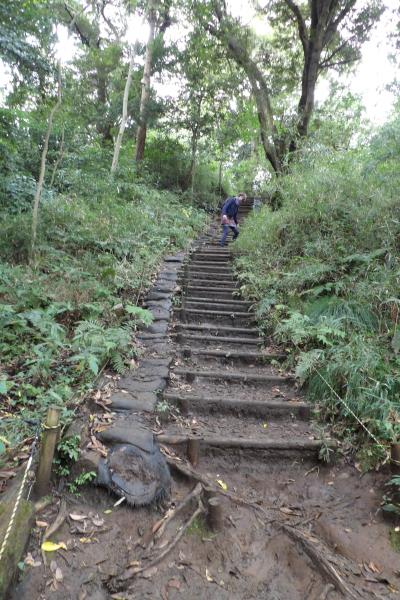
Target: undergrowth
{"points": [[60, 316], [325, 270]]}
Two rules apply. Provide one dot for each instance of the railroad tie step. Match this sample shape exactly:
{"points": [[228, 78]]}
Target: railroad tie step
{"points": [[216, 339], [241, 377], [212, 300], [234, 331], [266, 409], [213, 304], [249, 357], [283, 448]]}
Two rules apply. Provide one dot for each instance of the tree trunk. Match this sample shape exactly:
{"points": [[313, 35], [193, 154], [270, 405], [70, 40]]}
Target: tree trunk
{"points": [[313, 44], [144, 100], [124, 117], [259, 88], [39, 187], [59, 158]]}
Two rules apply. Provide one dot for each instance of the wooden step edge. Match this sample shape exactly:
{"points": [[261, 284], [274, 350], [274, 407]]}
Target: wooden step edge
{"points": [[210, 327], [219, 339], [233, 354], [241, 376], [221, 313], [267, 408], [212, 300], [260, 444], [218, 289]]}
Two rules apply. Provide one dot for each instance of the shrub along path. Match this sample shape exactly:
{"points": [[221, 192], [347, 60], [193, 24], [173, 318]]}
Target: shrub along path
{"points": [[285, 526]]}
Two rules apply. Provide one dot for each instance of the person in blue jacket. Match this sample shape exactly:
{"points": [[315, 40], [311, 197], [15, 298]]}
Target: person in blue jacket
{"points": [[229, 216]]}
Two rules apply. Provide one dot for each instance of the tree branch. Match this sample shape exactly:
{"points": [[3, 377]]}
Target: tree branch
{"points": [[334, 23], [338, 63], [300, 24], [108, 21]]}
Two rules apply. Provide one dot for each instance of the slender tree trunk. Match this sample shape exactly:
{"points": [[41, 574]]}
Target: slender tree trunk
{"points": [[144, 100], [124, 118], [59, 158], [39, 187], [192, 167]]}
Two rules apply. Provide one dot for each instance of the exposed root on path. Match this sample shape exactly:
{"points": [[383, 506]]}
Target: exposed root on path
{"points": [[55, 526], [120, 582], [317, 555], [209, 485]]}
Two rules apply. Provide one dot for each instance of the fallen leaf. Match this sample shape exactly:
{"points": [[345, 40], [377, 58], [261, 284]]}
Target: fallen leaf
{"points": [[42, 524], [31, 562], [86, 540], [53, 546], [76, 517], [174, 583], [373, 567], [208, 576], [120, 501], [98, 521], [149, 572], [58, 574], [108, 511], [6, 474], [288, 511], [222, 484], [134, 563]]}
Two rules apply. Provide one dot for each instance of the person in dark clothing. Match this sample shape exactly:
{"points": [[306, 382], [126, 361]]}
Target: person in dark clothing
{"points": [[229, 217]]}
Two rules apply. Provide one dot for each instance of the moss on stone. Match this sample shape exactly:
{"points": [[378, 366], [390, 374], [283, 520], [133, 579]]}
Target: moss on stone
{"points": [[17, 540]]}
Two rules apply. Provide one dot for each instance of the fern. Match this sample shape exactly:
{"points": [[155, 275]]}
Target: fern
{"points": [[117, 362]]}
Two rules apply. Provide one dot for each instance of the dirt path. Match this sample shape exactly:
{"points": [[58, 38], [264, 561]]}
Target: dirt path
{"points": [[293, 528]]}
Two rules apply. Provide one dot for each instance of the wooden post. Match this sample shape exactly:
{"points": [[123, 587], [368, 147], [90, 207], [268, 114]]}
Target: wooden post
{"points": [[47, 447], [184, 406], [215, 513], [193, 450]]}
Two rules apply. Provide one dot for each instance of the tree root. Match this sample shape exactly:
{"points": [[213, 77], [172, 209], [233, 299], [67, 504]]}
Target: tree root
{"points": [[186, 470], [55, 526], [133, 571], [320, 561], [195, 493]]}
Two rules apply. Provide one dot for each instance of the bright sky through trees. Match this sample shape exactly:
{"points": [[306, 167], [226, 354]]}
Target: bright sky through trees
{"points": [[370, 79]]}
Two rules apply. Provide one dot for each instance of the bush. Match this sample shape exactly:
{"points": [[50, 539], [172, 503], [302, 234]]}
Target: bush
{"points": [[57, 323], [325, 269]]}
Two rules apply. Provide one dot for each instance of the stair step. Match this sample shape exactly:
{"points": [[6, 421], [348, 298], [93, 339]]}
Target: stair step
{"points": [[216, 339], [251, 331], [265, 409], [231, 284], [233, 354], [217, 313], [283, 448], [209, 301], [241, 377], [206, 275]]}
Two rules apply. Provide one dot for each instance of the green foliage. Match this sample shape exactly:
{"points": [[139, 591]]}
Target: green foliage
{"points": [[81, 480], [57, 323], [68, 451], [325, 269]]}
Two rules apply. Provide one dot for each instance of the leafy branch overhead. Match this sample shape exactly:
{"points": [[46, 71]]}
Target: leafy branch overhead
{"points": [[329, 33]]}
